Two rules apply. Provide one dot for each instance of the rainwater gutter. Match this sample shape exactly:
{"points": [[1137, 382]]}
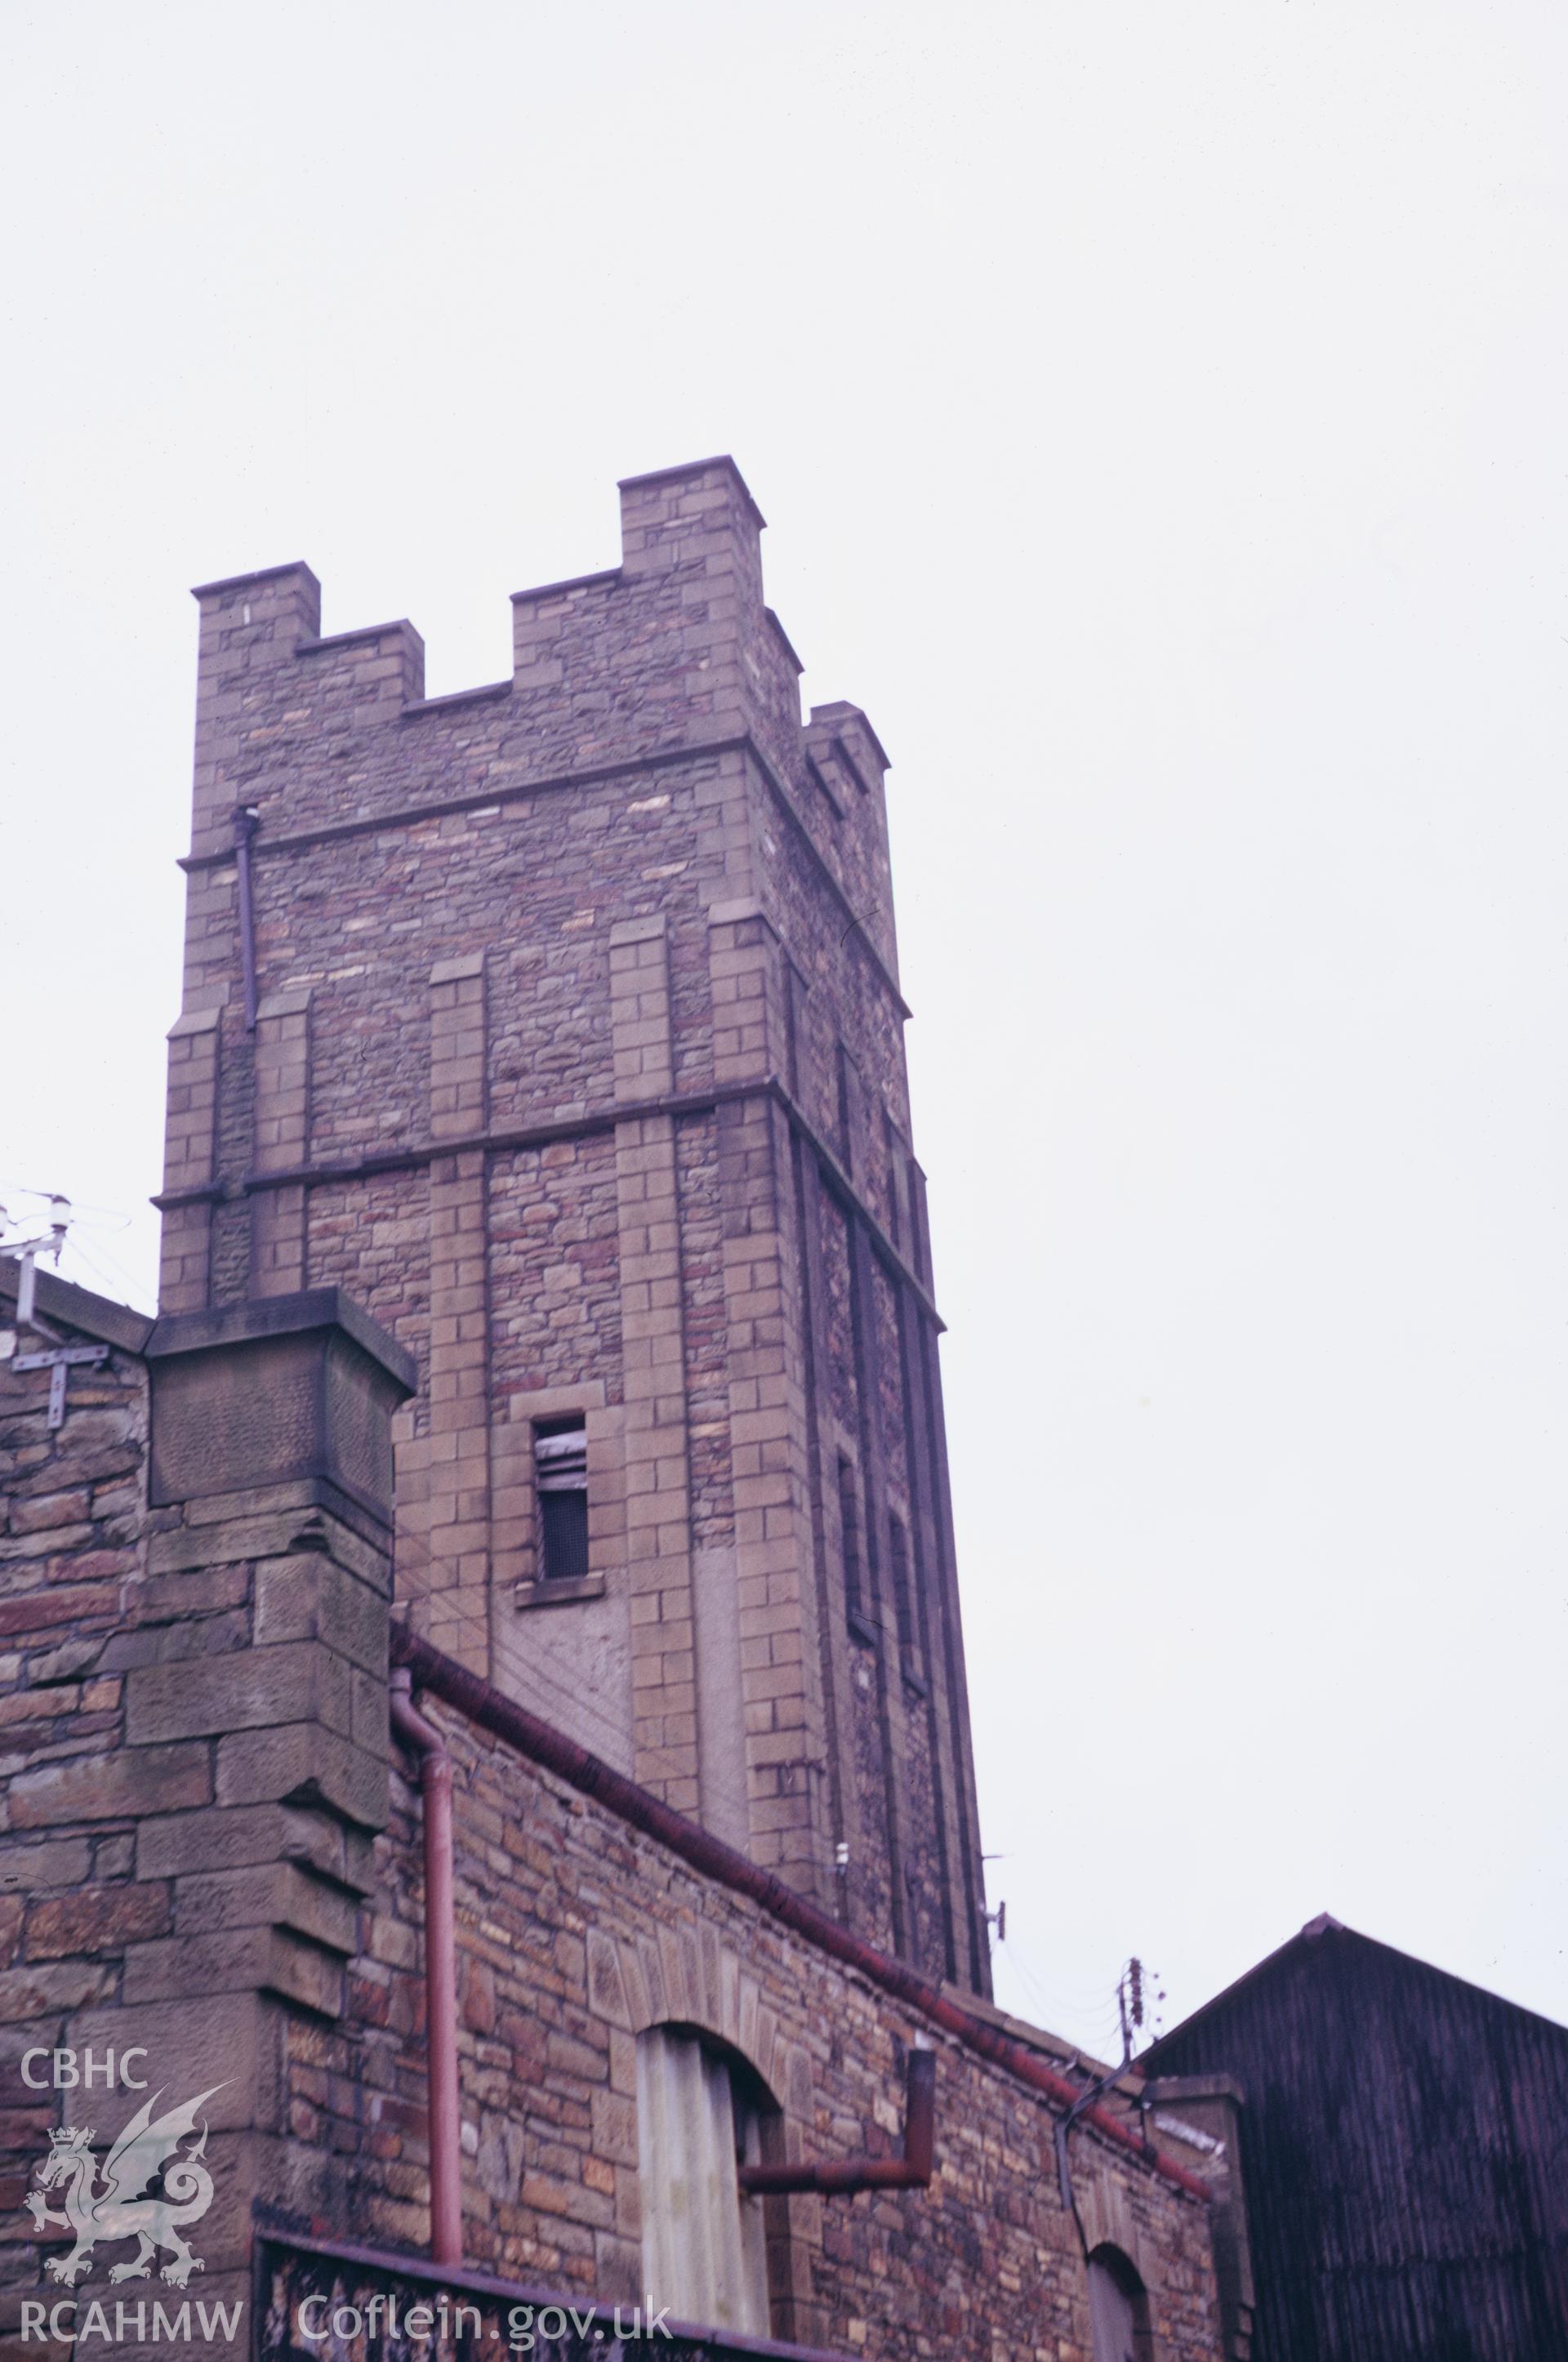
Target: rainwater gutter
{"points": [[484, 1706], [440, 1971]]}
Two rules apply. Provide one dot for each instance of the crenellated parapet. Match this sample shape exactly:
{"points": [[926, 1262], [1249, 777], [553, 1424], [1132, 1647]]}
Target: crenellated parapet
{"points": [[674, 649]]}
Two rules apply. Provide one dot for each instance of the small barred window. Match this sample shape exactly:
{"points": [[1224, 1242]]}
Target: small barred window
{"points": [[561, 1462]]}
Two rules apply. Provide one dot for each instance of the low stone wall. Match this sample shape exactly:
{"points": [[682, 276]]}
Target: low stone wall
{"points": [[575, 1932], [316, 2298], [212, 1868]]}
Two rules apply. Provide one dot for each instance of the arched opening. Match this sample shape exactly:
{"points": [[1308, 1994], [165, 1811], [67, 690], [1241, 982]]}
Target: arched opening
{"points": [[1118, 2308], [711, 2255]]}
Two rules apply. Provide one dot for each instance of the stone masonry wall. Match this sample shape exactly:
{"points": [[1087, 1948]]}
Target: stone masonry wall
{"points": [[194, 1698], [577, 1022], [72, 1547], [575, 1932], [203, 1855]]}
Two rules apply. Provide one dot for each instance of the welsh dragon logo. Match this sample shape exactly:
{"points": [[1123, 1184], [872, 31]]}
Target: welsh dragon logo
{"points": [[120, 2209]]}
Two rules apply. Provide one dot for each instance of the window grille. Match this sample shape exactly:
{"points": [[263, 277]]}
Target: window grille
{"points": [[560, 1467]]}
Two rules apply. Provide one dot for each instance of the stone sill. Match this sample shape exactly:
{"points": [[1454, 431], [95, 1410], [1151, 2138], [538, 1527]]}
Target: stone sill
{"points": [[559, 1592]]}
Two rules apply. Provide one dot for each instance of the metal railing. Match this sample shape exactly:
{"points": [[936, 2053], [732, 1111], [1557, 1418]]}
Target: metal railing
{"points": [[326, 2300]]}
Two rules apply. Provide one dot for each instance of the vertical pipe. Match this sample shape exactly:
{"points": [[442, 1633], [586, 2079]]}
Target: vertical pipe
{"points": [[808, 1224], [244, 823], [440, 1972]]}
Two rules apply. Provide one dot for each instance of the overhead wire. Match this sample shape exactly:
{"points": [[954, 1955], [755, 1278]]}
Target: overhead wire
{"points": [[12, 1188], [116, 1279], [66, 1245], [1093, 2011], [495, 1650]]}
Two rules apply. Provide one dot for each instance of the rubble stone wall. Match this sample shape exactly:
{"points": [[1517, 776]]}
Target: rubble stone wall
{"points": [[212, 1852], [575, 1932]]}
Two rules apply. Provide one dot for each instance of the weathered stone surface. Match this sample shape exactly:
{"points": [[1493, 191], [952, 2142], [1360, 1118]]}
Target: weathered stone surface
{"points": [[302, 1762], [234, 1836], [268, 1894], [243, 1961], [30, 1868], [131, 1781], [301, 1387], [240, 1690], [49, 1987], [185, 1582], [66, 1663], [307, 1596], [96, 1919], [198, 2041]]}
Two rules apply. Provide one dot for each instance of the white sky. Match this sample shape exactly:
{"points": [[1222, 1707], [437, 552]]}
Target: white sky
{"points": [[1160, 411]]}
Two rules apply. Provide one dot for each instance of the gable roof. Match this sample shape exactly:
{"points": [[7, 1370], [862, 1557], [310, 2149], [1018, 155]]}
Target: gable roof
{"points": [[1309, 1939]]}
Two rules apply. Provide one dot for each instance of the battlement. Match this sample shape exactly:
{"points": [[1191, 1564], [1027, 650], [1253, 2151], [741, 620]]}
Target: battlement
{"points": [[673, 650], [696, 523]]}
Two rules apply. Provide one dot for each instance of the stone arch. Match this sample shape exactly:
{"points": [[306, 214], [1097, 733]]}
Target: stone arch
{"points": [[687, 1977], [688, 1981], [1109, 2220], [704, 2111], [1121, 2320]]}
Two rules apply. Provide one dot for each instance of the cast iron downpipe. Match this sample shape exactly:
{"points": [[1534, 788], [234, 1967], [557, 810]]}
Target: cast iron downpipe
{"points": [[841, 2177], [1064, 2132], [440, 1972], [246, 822]]}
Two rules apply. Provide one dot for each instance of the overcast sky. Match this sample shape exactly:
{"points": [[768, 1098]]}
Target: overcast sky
{"points": [[1160, 413]]}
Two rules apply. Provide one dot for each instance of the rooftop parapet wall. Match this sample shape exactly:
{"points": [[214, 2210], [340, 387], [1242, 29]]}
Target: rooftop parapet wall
{"points": [[848, 767], [674, 648]]}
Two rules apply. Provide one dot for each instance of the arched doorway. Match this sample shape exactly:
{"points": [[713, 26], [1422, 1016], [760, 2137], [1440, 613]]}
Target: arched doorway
{"points": [[701, 2112], [1118, 2308]]}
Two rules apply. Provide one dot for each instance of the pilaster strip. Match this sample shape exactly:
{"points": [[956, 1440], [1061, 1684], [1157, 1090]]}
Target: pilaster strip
{"points": [[657, 1448], [789, 1799], [449, 1516], [189, 1161], [281, 1141]]}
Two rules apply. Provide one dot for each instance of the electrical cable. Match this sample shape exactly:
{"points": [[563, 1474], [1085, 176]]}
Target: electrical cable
{"points": [[114, 1280]]}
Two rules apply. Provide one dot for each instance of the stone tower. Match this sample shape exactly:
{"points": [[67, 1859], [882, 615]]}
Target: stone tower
{"points": [[559, 1021]]}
